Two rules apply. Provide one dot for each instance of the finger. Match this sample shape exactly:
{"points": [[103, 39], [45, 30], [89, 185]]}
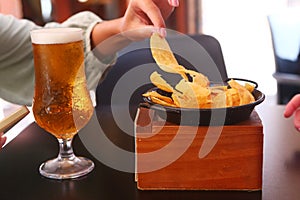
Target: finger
{"points": [[143, 32], [154, 14], [292, 106], [174, 3], [297, 120]]}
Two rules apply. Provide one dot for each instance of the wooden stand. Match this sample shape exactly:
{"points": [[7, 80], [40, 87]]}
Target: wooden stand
{"points": [[167, 155]]}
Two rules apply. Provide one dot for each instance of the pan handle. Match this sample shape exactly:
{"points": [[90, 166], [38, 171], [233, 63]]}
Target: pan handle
{"points": [[242, 79]]}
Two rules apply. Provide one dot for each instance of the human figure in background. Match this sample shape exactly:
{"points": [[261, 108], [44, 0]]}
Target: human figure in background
{"points": [[14, 8], [140, 20], [293, 108]]}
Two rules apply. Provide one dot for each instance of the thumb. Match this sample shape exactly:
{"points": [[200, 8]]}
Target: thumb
{"points": [[143, 32]]}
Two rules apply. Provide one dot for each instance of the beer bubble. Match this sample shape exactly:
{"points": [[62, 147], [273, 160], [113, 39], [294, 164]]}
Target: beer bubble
{"points": [[52, 109]]}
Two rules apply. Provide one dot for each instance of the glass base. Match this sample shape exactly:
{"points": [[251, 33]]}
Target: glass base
{"points": [[66, 168]]}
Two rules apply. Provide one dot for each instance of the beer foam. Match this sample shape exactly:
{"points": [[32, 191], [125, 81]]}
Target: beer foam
{"points": [[56, 35]]}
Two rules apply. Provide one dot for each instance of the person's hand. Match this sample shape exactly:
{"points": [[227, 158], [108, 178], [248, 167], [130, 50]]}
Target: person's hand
{"points": [[293, 107], [142, 18], [2, 140]]}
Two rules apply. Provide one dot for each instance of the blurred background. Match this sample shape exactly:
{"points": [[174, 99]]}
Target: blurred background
{"points": [[241, 26]]}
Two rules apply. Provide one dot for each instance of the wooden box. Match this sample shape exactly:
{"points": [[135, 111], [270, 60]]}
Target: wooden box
{"points": [[168, 158]]}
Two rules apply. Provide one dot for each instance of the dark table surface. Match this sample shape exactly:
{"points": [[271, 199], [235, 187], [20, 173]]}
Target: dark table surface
{"points": [[20, 159]]}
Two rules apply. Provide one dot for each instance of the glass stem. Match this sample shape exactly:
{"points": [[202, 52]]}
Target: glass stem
{"points": [[65, 149]]}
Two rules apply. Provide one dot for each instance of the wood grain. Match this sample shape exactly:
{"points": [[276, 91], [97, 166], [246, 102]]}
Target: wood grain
{"points": [[235, 162]]}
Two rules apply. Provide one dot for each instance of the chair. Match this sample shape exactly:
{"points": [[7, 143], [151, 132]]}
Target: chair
{"points": [[285, 34], [128, 79]]}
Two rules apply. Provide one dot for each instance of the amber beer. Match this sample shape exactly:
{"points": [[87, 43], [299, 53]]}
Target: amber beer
{"points": [[61, 103]]}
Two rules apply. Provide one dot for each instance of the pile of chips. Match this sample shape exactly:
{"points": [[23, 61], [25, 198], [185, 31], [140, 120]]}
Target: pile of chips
{"points": [[194, 89]]}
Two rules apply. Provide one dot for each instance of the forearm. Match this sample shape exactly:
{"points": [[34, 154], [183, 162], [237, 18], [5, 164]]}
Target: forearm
{"points": [[107, 39]]}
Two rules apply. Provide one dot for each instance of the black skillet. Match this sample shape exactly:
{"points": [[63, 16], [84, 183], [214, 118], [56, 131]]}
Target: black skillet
{"points": [[205, 117]]}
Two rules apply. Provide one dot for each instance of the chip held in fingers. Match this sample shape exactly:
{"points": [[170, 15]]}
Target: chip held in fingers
{"points": [[164, 57], [194, 90], [162, 53]]}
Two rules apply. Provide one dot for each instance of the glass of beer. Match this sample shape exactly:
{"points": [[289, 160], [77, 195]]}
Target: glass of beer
{"points": [[61, 102]]}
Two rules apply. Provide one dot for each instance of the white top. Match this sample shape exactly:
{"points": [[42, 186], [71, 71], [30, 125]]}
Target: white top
{"points": [[16, 59]]}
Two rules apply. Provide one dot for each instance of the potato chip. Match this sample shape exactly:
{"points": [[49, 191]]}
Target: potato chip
{"points": [[163, 56], [196, 95], [219, 100], [159, 82], [162, 102], [217, 89], [184, 101], [244, 95], [198, 78], [232, 97], [249, 87], [155, 94], [194, 90], [229, 99], [162, 53], [218, 96]]}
